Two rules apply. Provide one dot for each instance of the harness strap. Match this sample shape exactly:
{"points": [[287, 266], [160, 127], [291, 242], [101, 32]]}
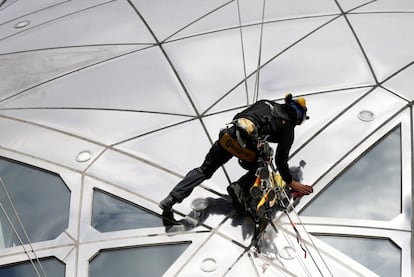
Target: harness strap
{"points": [[233, 147]]}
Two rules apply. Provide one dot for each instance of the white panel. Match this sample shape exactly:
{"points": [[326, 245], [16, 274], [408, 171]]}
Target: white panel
{"points": [[402, 83], [167, 17], [21, 71], [323, 108], [345, 133], [348, 5], [387, 39], [328, 59], [251, 12], [179, 149], [46, 144], [214, 250], [388, 6], [105, 126], [13, 8], [79, 28], [133, 174], [212, 64], [122, 83]]}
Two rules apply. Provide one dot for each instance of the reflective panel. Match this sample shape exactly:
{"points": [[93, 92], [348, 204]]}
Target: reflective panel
{"points": [[111, 213], [127, 96], [380, 255], [119, 87], [403, 83], [156, 147], [37, 197], [46, 267], [345, 70], [12, 8], [378, 32], [132, 262], [157, 11], [105, 126], [369, 189], [79, 25], [20, 70]]}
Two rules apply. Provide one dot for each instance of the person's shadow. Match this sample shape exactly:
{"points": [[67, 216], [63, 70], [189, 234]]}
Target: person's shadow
{"points": [[214, 206]]}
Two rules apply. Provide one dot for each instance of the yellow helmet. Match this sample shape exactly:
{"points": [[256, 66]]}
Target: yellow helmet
{"points": [[299, 104], [301, 101]]}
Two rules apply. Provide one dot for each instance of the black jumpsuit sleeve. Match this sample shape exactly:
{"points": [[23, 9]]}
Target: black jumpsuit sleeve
{"points": [[282, 156]]}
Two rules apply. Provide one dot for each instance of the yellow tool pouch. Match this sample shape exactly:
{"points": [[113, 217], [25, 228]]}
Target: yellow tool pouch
{"points": [[234, 148]]}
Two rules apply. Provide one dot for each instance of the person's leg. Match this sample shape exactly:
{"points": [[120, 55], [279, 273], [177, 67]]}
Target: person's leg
{"points": [[247, 180], [216, 157], [239, 190]]}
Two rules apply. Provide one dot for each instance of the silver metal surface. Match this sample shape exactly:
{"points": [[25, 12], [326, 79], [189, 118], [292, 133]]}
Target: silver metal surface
{"points": [[145, 86]]}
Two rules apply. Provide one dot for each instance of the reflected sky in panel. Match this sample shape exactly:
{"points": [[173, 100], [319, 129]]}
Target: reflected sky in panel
{"points": [[132, 262], [145, 86], [110, 213], [47, 267], [29, 189], [369, 189], [380, 255]]}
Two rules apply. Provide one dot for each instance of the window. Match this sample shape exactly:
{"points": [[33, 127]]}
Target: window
{"points": [[110, 213], [379, 255], [132, 262], [32, 200], [369, 189], [41, 267]]}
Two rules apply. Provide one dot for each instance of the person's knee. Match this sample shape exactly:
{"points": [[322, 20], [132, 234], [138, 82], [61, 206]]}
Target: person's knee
{"points": [[207, 172]]}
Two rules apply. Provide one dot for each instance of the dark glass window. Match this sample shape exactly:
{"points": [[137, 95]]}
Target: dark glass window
{"points": [[35, 198], [369, 189], [144, 261], [111, 213], [46, 267], [379, 255]]}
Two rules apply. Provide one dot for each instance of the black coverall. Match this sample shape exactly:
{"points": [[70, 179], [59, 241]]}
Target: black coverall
{"points": [[278, 130]]}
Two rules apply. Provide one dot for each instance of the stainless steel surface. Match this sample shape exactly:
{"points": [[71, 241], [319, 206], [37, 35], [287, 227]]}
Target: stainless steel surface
{"points": [[145, 86]]}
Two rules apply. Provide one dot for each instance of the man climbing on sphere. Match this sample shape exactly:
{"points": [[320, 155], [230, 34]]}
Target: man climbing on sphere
{"points": [[263, 119]]}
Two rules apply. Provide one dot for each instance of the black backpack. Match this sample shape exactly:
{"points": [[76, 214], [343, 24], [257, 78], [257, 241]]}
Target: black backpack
{"points": [[262, 111]]}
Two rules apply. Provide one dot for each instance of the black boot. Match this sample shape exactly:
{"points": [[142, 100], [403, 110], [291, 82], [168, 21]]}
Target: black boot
{"points": [[236, 194], [168, 218], [167, 214], [167, 203]]}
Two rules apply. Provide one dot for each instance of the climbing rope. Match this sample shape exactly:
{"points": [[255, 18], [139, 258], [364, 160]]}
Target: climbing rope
{"points": [[256, 86], [303, 246], [24, 232], [243, 54]]}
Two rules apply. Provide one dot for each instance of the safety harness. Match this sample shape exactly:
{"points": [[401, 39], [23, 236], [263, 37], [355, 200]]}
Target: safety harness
{"points": [[244, 128], [247, 132]]}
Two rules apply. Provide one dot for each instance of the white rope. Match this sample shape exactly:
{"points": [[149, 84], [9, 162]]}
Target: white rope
{"points": [[309, 237], [256, 86], [20, 239], [22, 227], [243, 54], [291, 244]]}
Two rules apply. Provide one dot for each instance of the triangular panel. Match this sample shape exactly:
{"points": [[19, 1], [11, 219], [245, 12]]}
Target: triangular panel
{"points": [[325, 60], [104, 126], [29, 69], [378, 33], [80, 28], [403, 83], [115, 84]]}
